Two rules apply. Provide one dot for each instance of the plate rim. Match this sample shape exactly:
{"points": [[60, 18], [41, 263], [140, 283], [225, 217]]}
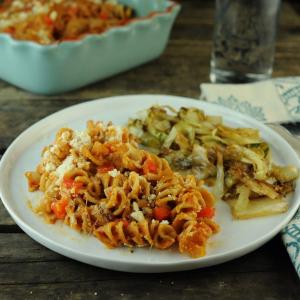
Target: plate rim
{"points": [[186, 264]]}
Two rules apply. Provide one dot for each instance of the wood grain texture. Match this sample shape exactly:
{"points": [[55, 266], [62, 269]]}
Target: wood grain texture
{"points": [[47, 274], [197, 285], [266, 258], [31, 271], [5, 219]]}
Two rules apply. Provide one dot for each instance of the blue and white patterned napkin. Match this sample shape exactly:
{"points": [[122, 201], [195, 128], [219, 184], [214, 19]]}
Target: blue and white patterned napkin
{"points": [[277, 101], [291, 239]]}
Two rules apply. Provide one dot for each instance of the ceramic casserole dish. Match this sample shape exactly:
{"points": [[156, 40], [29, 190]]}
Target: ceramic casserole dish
{"points": [[64, 66]]}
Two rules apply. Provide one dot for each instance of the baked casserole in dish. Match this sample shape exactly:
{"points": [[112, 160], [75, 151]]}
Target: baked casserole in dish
{"points": [[50, 47]]}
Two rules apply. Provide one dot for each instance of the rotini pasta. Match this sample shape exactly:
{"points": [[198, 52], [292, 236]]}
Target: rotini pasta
{"points": [[99, 182], [143, 233]]}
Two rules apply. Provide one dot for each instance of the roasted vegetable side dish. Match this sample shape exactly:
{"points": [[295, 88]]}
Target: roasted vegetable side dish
{"points": [[237, 162]]}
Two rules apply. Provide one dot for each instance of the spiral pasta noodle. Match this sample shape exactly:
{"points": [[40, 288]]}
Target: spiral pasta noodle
{"points": [[143, 233], [99, 182]]}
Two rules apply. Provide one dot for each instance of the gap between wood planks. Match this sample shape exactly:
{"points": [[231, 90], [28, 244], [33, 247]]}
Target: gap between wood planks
{"points": [[2, 150], [10, 229]]}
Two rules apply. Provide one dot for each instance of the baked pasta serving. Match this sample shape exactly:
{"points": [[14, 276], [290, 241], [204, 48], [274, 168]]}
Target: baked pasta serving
{"points": [[51, 21], [99, 182]]}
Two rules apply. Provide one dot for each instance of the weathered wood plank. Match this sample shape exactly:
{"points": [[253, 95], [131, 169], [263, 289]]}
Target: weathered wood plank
{"points": [[5, 219], [33, 256], [265, 272], [31, 251], [204, 281], [197, 285]]}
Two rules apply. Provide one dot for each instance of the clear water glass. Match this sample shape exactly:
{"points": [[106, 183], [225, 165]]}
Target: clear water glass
{"points": [[244, 40]]}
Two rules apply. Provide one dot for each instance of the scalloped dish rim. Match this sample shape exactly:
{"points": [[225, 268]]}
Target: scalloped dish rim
{"points": [[130, 26]]}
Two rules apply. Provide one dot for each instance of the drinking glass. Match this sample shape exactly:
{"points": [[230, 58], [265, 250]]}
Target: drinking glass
{"points": [[244, 40]]}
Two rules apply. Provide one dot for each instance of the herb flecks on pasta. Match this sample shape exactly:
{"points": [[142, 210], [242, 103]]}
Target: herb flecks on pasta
{"points": [[47, 22], [99, 182]]}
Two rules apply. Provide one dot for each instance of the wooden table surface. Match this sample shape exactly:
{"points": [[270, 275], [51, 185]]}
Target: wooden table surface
{"points": [[30, 271]]}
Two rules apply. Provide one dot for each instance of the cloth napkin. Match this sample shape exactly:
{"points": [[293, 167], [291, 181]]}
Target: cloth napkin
{"points": [[277, 101]]}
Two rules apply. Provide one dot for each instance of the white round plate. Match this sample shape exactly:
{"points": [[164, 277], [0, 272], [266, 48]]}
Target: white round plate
{"points": [[235, 239]]}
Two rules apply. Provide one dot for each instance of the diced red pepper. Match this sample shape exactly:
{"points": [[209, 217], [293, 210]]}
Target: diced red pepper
{"points": [[59, 208], [48, 20], [9, 30], [126, 223], [106, 168], [149, 166], [33, 184], [207, 212], [103, 15], [161, 213], [68, 182]]}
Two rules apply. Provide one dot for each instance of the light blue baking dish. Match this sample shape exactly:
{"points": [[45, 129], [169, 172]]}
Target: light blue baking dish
{"points": [[69, 65]]}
